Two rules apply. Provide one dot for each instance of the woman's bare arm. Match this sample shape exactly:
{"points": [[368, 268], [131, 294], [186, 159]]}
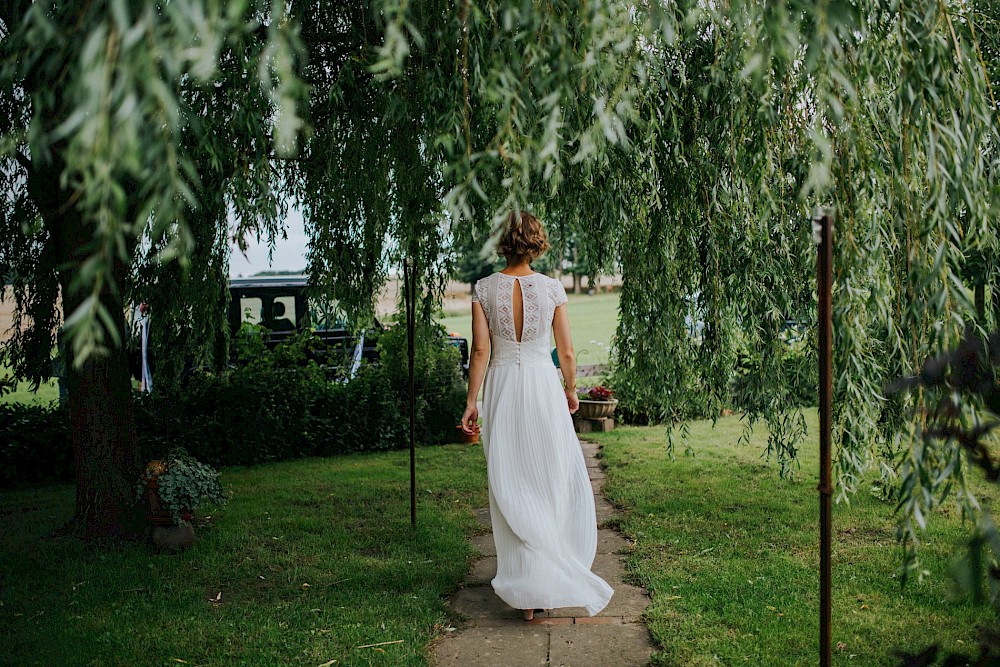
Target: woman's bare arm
{"points": [[567, 356], [479, 357]]}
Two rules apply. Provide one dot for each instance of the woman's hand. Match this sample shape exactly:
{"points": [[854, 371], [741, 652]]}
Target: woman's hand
{"points": [[572, 400], [470, 419]]}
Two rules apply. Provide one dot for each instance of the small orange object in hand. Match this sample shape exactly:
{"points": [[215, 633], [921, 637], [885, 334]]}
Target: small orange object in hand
{"points": [[470, 433]]}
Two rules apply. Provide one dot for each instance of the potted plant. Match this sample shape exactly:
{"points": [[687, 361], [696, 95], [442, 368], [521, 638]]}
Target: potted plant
{"points": [[596, 403], [175, 487]]}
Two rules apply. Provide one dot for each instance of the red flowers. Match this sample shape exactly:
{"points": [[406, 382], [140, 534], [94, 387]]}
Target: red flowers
{"points": [[598, 393]]}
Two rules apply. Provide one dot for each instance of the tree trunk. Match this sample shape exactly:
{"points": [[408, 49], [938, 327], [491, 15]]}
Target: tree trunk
{"points": [[980, 292], [102, 418], [105, 447], [99, 393]]}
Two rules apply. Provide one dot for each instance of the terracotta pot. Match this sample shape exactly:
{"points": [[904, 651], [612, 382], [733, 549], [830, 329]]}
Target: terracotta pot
{"points": [[596, 409], [466, 438], [158, 514]]}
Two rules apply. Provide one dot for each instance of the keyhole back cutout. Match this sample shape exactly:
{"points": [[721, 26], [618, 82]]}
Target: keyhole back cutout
{"points": [[517, 302]]}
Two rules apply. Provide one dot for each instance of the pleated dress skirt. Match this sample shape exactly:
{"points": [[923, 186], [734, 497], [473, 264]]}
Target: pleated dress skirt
{"points": [[541, 500]]}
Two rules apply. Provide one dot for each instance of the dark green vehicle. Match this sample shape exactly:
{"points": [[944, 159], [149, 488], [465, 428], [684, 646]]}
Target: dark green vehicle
{"points": [[280, 304]]}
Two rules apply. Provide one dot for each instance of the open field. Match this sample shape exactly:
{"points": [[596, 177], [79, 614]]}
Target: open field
{"points": [[593, 321], [730, 554], [310, 562]]}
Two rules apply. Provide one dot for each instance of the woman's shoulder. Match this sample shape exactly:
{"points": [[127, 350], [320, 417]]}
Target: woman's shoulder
{"points": [[486, 279], [555, 283], [481, 288]]}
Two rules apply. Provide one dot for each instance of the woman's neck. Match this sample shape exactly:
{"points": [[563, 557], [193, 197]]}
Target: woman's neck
{"points": [[517, 268]]}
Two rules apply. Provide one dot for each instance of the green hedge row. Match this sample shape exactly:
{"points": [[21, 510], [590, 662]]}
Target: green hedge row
{"points": [[277, 405]]}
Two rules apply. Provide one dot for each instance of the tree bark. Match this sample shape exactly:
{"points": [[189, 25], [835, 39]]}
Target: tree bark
{"points": [[102, 418]]}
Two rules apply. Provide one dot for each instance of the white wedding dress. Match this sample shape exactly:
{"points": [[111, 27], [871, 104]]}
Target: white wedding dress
{"points": [[541, 501]]}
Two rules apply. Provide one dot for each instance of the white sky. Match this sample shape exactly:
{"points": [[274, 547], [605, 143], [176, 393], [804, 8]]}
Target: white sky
{"points": [[289, 254]]}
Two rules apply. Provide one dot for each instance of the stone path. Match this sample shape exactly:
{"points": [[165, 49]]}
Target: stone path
{"points": [[495, 635]]}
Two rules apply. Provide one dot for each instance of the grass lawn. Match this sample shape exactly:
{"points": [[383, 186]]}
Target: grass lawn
{"points": [[593, 321], [310, 561], [47, 391], [730, 554]]}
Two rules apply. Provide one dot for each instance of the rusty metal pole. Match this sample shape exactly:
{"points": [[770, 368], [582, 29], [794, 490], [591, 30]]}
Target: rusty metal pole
{"points": [[409, 296], [824, 281]]}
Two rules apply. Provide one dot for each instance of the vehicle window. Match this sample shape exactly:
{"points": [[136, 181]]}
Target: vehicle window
{"points": [[326, 315], [285, 311], [250, 307]]}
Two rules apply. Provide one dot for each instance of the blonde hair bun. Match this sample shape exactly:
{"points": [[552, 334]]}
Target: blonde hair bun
{"points": [[523, 238]]}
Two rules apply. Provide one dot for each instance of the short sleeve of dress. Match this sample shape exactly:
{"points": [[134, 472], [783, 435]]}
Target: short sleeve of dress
{"points": [[558, 293], [479, 295]]}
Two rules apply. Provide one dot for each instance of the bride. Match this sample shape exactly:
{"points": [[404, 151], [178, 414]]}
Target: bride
{"points": [[541, 502]]}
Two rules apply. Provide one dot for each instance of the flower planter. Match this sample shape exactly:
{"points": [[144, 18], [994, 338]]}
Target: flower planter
{"points": [[158, 514], [596, 409]]}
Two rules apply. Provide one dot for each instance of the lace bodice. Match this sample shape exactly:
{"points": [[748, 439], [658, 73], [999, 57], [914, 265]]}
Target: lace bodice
{"points": [[540, 295]]}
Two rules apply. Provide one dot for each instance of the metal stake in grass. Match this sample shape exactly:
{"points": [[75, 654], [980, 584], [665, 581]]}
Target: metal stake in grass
{"points": [[410, 296], [823, 225]]}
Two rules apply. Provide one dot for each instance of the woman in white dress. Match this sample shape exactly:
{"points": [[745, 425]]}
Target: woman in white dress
{"points": [[541, 501]]}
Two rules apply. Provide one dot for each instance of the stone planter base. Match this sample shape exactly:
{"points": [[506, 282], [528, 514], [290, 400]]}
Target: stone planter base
{"points": [[173, 538], [583, 425]]}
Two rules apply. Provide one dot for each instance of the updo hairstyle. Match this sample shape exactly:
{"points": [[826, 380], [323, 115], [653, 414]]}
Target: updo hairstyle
{"points": [[523, 238]]}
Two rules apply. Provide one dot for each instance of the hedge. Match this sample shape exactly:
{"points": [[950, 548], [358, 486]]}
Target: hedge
{"points": [[278, 406]]}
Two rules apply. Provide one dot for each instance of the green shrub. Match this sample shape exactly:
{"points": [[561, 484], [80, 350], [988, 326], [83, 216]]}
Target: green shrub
{"points": [[34, 444], [799, 365], [439, 386], [274, 405]]}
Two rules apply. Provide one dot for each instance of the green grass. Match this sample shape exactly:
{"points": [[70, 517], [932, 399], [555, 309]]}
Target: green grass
{"points": [[730, 554], [313, 559], [47, 391], [593, 321]]}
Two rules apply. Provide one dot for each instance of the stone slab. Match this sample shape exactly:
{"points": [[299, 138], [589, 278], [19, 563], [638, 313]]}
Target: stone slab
{"points": [[609, 567], [590, 448], [541, 618], [482, 606], [484, 544], [627, 603], [597, 485], [593, 462], [581, 645], [483, 516], [610, 542], [593, 425], [598, 620], [596, 473], [605, 510], [483, 571], [487, 647]]}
